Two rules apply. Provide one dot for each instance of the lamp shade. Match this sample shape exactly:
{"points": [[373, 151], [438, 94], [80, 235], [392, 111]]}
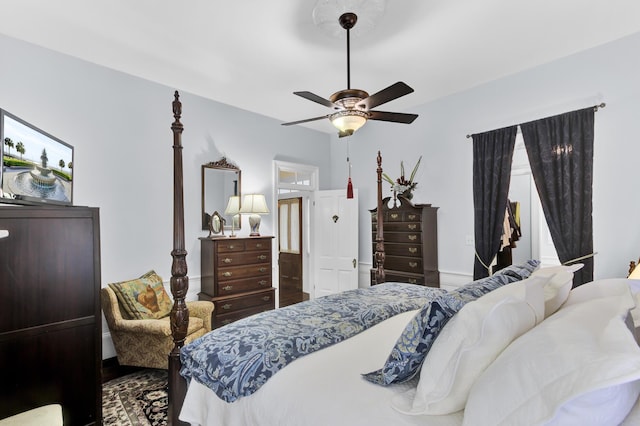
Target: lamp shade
{"points": [[635, 274], [233, 206], [254, 203]]}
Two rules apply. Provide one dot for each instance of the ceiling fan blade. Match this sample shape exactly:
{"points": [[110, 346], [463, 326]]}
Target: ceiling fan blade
{"points": [[315, 98], [304, 121], [396, 117], [385, 95]]}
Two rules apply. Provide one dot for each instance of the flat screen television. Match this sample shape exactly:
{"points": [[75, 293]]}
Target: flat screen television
{"points": [[37, 168]]}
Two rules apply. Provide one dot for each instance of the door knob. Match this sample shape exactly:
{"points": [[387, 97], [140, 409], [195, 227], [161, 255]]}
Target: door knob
{"points": [[354, 263]]}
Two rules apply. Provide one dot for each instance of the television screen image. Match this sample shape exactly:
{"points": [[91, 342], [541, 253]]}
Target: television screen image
{"points": [[36, 167]]}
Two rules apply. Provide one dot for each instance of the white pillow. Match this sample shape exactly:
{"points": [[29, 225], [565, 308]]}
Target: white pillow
{"points": [[582, 350], [469, 342], [618, 400], [597, 289], [556, 291]]}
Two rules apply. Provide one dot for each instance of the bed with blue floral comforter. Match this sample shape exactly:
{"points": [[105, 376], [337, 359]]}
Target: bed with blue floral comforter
{"points": [[237, 359]]}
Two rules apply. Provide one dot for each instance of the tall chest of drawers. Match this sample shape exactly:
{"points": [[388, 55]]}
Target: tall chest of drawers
{"points": [[236, 277], [410, 242]]}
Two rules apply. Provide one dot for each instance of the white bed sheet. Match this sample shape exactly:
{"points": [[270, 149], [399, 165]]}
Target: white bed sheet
{"points": [[308, 393]]}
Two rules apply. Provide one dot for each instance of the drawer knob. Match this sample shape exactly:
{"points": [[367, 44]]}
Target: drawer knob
{"points": [[262, 282], [413, 250], [412, 281], [394, 215], [266, 298], [226, 274], [412, 217], [259, 245], [227, 288], [262, 257], [413, 264], [227, 321], [231, 246], [412, 226], [227, 306], [262, 270], [227, 260], [412, 237]]}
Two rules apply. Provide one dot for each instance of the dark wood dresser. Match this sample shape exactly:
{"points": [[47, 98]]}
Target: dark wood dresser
{"points": [[50, 321], [410, 242], [236, 277]]}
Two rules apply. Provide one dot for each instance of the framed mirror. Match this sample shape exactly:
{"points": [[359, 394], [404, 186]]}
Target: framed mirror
{"points": [[220, 180]]}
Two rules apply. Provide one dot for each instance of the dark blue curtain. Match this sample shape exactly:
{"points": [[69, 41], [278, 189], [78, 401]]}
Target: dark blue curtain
{"points": [[492, 157], [560, 150]]}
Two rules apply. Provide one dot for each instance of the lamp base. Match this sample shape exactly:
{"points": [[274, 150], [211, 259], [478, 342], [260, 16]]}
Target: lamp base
{"points": [[254, 223]]}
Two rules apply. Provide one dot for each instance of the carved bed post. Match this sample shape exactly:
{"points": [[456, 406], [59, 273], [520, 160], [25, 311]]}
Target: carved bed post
{"points": [[379, 256], [179, 280]]}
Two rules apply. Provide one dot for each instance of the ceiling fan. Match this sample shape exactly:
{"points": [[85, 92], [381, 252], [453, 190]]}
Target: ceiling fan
{"points": [[353, 107]]}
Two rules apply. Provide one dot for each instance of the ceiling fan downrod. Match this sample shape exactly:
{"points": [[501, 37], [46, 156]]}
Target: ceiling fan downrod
{"points": [[347, 21]]}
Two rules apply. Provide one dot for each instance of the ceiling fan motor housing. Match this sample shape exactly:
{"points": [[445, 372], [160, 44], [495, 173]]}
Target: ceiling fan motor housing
{"points": [[348, 98]]}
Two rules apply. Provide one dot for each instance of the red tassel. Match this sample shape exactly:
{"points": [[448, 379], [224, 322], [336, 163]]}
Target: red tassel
{"points": [[349, 189]]}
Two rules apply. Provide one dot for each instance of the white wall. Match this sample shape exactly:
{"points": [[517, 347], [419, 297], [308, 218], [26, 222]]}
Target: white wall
{"points": [[609, 73], [120, 127]]}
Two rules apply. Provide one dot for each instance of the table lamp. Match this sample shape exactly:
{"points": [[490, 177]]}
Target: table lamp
{"points": [[255, 205], [233, 208]]}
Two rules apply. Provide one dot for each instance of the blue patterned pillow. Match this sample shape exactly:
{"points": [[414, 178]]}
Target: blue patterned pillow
{"points": [[416, 340]]}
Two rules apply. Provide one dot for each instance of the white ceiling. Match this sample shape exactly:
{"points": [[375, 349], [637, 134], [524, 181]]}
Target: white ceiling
{"points": [[253, 54]]}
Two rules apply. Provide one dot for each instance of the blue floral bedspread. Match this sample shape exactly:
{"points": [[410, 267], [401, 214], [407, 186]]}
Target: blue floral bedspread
{"points": [[237, 359]]}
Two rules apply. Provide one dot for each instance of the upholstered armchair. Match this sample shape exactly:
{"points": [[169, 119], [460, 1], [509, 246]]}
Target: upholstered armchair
{"points": [[147, 342]]}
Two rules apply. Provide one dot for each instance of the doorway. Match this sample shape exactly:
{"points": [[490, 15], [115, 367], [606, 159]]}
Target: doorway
{"points": [[290, 252], [295, 181], [535, 242]]}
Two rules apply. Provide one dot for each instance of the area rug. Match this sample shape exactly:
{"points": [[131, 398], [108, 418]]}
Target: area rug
{"points": [[137, 399]]}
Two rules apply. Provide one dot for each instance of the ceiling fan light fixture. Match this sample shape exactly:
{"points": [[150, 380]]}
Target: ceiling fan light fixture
{"points": [[348, 121]]}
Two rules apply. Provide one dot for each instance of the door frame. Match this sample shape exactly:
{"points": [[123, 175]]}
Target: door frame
{"points": [[307, 192]]}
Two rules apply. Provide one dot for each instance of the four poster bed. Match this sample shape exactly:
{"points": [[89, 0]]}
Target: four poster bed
{"points": [[370, 356]]}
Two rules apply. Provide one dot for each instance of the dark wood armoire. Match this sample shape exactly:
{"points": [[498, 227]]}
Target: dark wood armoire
{"points": [[50, 323], [410, 242]]}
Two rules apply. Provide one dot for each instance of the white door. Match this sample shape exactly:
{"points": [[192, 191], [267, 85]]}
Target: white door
{"points": [[336, 242]]}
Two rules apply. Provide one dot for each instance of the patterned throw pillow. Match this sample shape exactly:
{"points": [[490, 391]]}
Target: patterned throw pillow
{"points": [[412, 346], [143, 298]]}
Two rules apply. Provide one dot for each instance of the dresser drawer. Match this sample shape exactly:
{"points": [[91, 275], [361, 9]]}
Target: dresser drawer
{"points": [[399, 227], [228, 305], [392, 249], [258, 244], [243, 258], [228, 287], [230, 246], [403, 237], [237, 272], [398, 216], [395, 276], [405, 264], [224, 319]]}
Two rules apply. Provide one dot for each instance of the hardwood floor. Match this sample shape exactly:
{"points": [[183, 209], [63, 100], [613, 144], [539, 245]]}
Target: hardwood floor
{"points": [[112, 370]]}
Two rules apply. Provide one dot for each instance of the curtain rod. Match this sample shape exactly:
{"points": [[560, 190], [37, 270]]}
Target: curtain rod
{"points": [[595, 108]]}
